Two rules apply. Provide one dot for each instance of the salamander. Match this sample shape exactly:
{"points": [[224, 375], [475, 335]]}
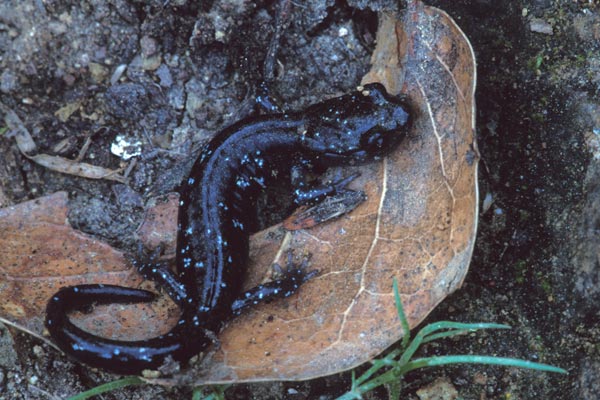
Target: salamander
{"points": [[217, 214]]}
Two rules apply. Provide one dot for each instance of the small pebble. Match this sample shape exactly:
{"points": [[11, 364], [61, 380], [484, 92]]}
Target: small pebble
{"points": [[538, 25]]}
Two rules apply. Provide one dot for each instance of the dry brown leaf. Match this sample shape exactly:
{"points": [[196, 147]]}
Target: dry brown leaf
{"points": [[84, 170], [159, 227], [65, 112], [22, 136], [42, 253], [418, 225], [27, 145]]}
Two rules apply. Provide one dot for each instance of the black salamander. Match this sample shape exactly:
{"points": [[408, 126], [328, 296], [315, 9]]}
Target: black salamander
{"points": [[217, 213]]}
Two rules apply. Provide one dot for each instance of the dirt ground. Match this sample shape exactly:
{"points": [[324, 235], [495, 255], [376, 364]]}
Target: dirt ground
{"points": [[192, 67]]}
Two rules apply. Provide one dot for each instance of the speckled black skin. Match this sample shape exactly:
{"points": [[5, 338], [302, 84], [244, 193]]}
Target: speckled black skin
{"points": [[216, 210]]}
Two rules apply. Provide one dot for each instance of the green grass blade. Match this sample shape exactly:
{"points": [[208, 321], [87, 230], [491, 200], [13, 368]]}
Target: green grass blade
{"points": [[217, 392], [197, 393], [394, 388], [462, 329], [430, 330], [401, 315], [107, 387], [397, 368], [474, 326], [447, 334], [387, 361], [356, 392], [476, 359]]}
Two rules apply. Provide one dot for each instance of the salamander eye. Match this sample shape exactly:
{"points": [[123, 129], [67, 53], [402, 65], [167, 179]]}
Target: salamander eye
{"points": [[376, 140], [372, 140]]}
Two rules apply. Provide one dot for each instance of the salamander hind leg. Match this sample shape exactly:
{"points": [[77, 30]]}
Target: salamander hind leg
{"points": [[293, 276], [151, 268]]}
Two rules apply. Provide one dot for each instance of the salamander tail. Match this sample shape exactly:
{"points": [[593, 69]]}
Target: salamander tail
{"points": [[121, 357]]}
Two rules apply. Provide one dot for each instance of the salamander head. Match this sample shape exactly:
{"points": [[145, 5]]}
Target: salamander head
{"points": [[358, 127]]}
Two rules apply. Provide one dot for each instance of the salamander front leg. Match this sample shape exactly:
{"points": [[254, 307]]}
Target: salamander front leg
{"points": [[307, 194], [323, 202]]}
